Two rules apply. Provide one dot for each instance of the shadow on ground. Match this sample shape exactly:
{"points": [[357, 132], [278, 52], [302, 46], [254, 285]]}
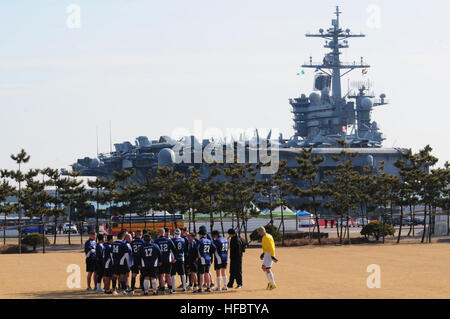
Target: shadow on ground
{"points": [[81, 294]]}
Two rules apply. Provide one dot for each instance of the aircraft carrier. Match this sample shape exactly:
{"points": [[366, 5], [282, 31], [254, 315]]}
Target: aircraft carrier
{"points": [[321, 119]]}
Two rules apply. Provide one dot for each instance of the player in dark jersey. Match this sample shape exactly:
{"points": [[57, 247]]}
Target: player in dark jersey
{"points": [[128, 240], [168, 253], [205, 250], [220, 259], [99, 269], [89, 250], [107, 263], [184, 235], [191, 261], [208, 236], [149, 256], [136, 246], [178, 266], [120, 256]]}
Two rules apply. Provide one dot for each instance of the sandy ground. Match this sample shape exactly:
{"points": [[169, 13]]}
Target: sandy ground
{"points": [[407, 271]]}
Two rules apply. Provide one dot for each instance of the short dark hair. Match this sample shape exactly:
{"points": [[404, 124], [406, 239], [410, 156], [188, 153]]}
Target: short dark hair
{"points": [[193, 234], [120, 235], [183, 228], [147, 238], [100, 237], [202, 232], [145, 231], [167, 230], [215, 233], [109, 237], [231, 231], [92, 233]]}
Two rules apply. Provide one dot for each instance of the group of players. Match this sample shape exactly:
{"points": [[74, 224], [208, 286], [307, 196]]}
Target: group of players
{"points": [[187, 255]]}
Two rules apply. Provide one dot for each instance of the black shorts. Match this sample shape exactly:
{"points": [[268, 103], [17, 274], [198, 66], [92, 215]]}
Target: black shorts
{"points": [[203, 269], [91, 264], [222, 265], [150, 272], [107, 272], [121, 269], [178, 267], [135, 268], [165, 268], [192, 267]]}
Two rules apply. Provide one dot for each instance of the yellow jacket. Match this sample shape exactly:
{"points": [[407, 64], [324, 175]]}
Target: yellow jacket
{"points": [[268, 245]]}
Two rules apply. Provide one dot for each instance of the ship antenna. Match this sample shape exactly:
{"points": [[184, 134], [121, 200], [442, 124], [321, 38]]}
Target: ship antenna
{"points": [[96, 133], [110, 138]]}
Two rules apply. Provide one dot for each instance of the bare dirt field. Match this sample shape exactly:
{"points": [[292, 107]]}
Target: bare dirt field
{"points": [[407, 271]]}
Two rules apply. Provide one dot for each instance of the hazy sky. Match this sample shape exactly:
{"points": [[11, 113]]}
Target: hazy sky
{"points": [[153, 66]]}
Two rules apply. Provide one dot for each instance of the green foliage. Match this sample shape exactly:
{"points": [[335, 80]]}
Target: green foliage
{"points": [[375, 229], [270, 229], [34, 240]]}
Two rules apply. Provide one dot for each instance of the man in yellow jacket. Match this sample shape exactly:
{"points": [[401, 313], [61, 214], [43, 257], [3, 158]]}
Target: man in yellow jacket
{"points": [[268, 256]]}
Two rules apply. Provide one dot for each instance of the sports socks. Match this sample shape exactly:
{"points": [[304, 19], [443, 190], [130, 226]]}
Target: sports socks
{"points": [[218, 281], [183, 281], [270, 277], [146, 284]]}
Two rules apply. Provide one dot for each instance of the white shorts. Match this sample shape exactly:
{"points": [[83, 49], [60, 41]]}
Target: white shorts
{"points": [[267, 262]]}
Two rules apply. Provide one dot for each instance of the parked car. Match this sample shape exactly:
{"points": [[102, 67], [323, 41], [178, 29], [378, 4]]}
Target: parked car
{"points": [[72, 228], [50, 229]]}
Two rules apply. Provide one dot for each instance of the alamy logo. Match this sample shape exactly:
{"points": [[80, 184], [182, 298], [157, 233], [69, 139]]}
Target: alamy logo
{"points": [[73, 20], [374, 279], [374, 16], [74, 279]]}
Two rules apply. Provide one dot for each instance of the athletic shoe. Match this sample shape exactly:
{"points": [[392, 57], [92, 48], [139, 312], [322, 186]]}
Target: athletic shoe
{"points": [[268, 286], [225, 288], [99, 290], [218, 289], [108, 292], [208, 290], [195, 287], [183, 289], [198, 291], [171, 291], [123, 292], [145, 293], [272, 287], [212, 285], [189, 287], [180, 286], [155, 293], [239, 287], [115, 293], [132, 292], [89, 289], [230, 286]]}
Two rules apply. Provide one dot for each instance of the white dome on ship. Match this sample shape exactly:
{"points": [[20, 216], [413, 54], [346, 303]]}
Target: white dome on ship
{"points": [[314, 98], [366, 103], [166, 157]]}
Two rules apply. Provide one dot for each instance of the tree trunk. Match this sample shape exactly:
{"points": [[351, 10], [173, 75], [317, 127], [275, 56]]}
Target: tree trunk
{"points": [[431, 224], [348, 230], [424, 223], [96, 218], [282, 222], [70, 221], [43, 238], [221, 223], [318, 226], [411, 226], [448, 223], [81, 232], [4, 231], [401, 224]]}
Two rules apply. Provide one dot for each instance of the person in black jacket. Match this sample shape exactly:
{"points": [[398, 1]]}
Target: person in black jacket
{"points": [[237, 248]]}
